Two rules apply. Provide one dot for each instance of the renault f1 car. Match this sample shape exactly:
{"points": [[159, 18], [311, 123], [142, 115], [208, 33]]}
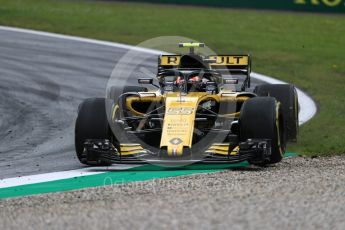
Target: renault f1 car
{"points": [[202, 110]]}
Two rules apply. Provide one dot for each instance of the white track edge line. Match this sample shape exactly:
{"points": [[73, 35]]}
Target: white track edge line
{"points": [[53, 176], [307, 111]]}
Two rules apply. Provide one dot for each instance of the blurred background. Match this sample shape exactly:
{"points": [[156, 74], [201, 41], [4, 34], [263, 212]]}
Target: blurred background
{"points": [[335, 6]]}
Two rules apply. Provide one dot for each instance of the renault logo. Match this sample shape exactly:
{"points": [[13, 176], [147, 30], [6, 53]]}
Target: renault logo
{"points": [[175, 141]]}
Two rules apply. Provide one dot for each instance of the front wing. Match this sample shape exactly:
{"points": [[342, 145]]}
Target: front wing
{"points": [[98, 152]]}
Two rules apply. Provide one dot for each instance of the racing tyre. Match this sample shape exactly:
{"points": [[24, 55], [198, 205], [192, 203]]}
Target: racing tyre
{"points": [[286, 94], [114, 93], [261, 118], [91, 123]]}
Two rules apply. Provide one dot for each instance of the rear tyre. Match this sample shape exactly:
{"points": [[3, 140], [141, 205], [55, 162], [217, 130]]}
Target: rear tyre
{"points": [[115, 91], [91, 123], [261, 117], [286, 94]]}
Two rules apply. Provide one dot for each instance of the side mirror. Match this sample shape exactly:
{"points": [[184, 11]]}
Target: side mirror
{"points": [[230, 81], [210, 61], [145, 81]]}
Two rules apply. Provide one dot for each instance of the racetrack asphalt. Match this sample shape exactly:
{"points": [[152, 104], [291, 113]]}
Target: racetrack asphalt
{"points": [[43, 80]]}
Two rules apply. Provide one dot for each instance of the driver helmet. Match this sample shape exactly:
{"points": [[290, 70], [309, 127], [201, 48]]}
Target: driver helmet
{"points": [[179, 80], [195, 78]]}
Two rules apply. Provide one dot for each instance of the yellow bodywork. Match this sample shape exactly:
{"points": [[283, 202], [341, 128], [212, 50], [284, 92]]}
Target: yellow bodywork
{"points": [[222, 149], [131, 149], [179, 119], [178, 125]]}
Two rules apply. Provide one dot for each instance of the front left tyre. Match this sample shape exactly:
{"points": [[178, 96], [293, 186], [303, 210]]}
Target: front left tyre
{"points": [[262, 118]]}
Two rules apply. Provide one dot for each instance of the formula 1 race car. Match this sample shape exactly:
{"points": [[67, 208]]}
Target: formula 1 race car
{"points": [[201, 111]]}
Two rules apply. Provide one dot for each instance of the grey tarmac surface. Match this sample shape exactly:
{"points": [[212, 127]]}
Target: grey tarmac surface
{"points": [[42, 82], [298, 193]]}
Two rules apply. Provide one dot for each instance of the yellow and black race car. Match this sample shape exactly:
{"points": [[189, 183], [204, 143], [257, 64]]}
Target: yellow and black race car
{"points": [[201, 111]]}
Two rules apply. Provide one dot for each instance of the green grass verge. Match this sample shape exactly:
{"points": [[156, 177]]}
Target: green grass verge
{"points": [[305, 49]]}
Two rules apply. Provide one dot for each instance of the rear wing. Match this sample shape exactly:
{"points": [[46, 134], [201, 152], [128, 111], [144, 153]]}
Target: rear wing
{"points": [[241, 63], [169, 62], [230, 62], [233, 64]]}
